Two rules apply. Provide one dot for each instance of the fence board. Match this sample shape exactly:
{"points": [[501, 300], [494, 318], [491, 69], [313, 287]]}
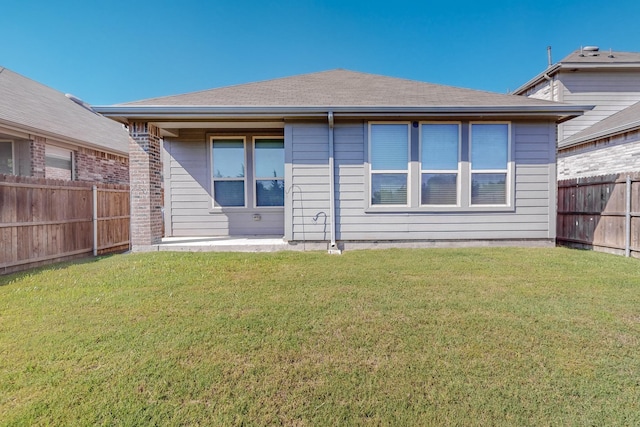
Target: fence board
{"points": [[592, 213], [45, 221]]}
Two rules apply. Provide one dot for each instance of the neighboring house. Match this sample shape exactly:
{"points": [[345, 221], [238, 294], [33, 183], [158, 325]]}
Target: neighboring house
{"points": [[345, 158], [45, 134], [604, 140]]}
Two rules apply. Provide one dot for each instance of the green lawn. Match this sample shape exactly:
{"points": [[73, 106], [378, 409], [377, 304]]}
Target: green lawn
{"points": [[394, 337]]}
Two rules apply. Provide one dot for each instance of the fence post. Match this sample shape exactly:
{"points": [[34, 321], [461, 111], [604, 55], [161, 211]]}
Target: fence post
{"points": [[95, 220], [627, 239]]}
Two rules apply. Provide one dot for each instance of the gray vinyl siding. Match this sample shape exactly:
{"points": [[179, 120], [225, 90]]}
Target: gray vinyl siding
{"points": [[307, 181], [188, 210], [609, 91], [532, 217]]}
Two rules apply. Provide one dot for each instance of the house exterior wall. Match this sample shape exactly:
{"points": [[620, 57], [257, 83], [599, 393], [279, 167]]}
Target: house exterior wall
{"points": [[97, 166], [188, 205], [612, 155], [531, 217], [543, 90], [609, 90]]}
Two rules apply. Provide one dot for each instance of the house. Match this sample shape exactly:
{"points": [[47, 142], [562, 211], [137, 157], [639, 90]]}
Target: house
{"points": [[604, 140], [45, 134], [345, 159]]}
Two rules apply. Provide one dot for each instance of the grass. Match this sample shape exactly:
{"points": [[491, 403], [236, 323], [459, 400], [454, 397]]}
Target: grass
{"points": [[396, 337]]}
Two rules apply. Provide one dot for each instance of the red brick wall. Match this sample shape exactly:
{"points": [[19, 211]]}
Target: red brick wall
{"points": [[37, 157], [95, 166], [145, 174]]}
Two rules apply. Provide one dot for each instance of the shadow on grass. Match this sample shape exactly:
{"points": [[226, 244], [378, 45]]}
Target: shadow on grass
{"points": [[8, 278]]}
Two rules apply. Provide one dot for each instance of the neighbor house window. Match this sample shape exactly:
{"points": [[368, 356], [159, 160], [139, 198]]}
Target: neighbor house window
{"points": [[6, 158], [440, 157], [58, 163], [228, 168], [389, 163], [269, 172], [490, 147]]}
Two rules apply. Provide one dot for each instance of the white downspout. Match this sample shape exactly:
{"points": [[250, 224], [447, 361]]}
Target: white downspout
{"points": [[333, 248]]}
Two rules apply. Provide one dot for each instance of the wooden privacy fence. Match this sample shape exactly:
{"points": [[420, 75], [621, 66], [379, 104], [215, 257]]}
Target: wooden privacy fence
{"points": [[44, 221], [600, 213]]}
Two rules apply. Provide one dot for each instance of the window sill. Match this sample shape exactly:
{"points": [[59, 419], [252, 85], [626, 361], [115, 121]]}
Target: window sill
{"points": [[435, 209]]}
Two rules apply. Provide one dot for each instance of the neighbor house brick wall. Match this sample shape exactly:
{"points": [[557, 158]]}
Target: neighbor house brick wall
{"points": [[37, 149], [145, 175], [612, 155], [96, 166]]}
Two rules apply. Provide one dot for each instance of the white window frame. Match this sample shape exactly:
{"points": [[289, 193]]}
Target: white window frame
{"points": [[256, 178], [213, 179], [13, 154], [508, 170], [406, 171], [457, 171]]}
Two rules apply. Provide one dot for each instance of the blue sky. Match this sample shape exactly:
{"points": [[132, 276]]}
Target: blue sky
{"points": [[114, 51]]}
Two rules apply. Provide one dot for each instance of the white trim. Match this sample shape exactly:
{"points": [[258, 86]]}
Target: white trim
{"points": [[457, 171], [255, 175], [406, 171], [212, 179], [13, 154], [509, 197]]}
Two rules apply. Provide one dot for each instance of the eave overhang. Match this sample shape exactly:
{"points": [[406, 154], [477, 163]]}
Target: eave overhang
{"points": [[572, 142], [32, 131], [160, 113]]}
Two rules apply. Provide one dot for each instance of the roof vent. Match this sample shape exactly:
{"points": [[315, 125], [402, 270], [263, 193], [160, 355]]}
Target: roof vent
{"points": [[589, 51], [79, 101]]}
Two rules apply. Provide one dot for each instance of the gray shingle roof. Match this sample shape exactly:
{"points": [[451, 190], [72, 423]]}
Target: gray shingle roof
{"points": [[601, 57], [622, 121], [586, 59], [35, 108], [340, 88]]}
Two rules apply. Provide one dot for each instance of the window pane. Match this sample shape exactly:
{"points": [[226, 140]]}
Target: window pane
{"points": [[389, 189], [229, 193], [439, 189], [440, 146], [489, 189], [489, 145], [6, 158], [270, 192], [269, 158], [228, 158], [389, 147], [58, 163]]}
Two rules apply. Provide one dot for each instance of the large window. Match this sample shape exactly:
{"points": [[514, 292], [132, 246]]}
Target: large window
{"points": [[489, 163], [6, 158], [440, 166], [269, 171], [58, 163], [228, 167], [440, 160], [389, 161]]}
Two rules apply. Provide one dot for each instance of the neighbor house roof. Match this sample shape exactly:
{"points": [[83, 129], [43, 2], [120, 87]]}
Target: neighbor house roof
{"points": [[585, 59], [339, 91], [33, 108], [620, 122]]}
